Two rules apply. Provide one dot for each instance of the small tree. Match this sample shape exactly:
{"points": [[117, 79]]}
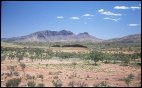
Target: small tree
{"points": [[96, 56]]}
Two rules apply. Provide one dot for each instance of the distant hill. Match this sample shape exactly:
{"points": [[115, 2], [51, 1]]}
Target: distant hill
{"points": [[54, 36], [135, 38]]}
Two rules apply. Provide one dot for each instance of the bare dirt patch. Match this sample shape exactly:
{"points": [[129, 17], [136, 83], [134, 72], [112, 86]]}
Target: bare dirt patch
{"points": [[70, 49]]}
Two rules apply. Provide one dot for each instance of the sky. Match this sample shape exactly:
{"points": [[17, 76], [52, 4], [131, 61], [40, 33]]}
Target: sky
{"points": [[102, 19]]}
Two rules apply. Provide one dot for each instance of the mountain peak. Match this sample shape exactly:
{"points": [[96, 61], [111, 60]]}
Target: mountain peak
{"points": [[65, 32], [84, 33]]}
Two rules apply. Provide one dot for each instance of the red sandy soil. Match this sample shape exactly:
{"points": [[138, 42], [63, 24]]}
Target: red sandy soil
{"points": [[111, 73]]}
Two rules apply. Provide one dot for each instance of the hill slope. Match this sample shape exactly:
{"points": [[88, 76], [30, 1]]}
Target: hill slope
{"points": [[127, 39]]}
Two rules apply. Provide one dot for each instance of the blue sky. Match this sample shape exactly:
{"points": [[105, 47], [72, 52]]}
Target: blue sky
{"points": [[102, 19]]}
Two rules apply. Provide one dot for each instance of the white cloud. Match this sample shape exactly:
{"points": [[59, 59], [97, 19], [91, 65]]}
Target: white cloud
{"points": [[115, 19], [110, 13], [107, 18], [60, 17], [133, 24], [121, 7], [101, 11], [75, 18], [88, 15], [124, 7], [135, 7]]}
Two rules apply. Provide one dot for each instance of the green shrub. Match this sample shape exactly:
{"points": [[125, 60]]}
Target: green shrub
{"points": [[50, 73], [16, 73], [124, 58], [3, 58], [87, 76], [139, 63], [102, 84], [31, 84], [20, 57], [71, 84], [82, 84], [57, 83], [8, 74], [128, 79], [11, 68], [74, 64], [46, 65], [40, 76], [40, 85], [13, 82], [22, 66], [28, 76], [107, 57], [55, 77]]}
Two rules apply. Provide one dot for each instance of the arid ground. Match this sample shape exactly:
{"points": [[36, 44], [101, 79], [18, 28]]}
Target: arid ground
{"points": [[83, 71], [70, 67]]}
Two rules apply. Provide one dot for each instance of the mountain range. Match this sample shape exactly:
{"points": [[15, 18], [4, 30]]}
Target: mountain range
{"points": [[68, 36]]}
